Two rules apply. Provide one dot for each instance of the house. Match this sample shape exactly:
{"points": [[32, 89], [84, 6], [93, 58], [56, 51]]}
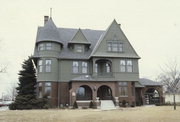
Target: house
{"points": [[86, 65]]}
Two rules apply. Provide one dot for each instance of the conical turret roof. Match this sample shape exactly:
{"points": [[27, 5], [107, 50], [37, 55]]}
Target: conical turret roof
{"points": [[49, 32]]}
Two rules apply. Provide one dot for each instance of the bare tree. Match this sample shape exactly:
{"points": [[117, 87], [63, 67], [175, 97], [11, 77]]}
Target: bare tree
{"points": [[170, 77], [12, 92]]}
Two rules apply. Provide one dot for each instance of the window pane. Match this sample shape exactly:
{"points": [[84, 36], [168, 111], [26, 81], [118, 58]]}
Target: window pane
{"points": [[109, 45], [122, 66], [47, 84], [40, 65], [78, 48], [120, 47], [129, 66], [75, 63], [122, 62], [41, 47], [96, 68], [47, 89], [114, 47], [48, 66], [123, 91], [75, 67], [129, 62], [84, 64], [84, 67], [108, 68], [48, 62], [48, 46], [123, 83]]}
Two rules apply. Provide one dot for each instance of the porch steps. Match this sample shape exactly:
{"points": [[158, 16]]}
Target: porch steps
{"points": [[107, 105]]}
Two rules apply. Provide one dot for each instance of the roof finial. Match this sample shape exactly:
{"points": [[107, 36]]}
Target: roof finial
{"points": [[50, 12]]}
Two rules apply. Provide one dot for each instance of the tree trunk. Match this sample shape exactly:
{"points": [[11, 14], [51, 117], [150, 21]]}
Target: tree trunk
{"points": [[174, 101]]}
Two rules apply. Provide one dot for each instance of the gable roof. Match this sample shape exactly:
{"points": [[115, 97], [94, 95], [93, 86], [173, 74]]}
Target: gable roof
{"points": [[114, 33], [66, 36]]}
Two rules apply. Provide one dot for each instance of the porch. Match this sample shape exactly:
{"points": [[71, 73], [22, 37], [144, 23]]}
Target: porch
{"points": [[85, 92]]}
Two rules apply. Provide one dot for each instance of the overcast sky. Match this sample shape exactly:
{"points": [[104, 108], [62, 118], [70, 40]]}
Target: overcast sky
{"points": [[152, 27]]}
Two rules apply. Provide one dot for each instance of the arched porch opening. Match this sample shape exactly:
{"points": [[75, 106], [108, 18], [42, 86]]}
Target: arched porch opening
{"points": [[104, 93], [152, 96], [84, 92]]}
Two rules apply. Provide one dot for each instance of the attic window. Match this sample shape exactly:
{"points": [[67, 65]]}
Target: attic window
{"points": [[114, 46]]}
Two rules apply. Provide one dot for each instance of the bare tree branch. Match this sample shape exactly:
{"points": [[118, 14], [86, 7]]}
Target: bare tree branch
{"points": [[170, 77]]}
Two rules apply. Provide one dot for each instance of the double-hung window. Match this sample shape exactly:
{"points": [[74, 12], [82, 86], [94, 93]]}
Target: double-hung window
{"points": [[122, 65], [79, 48], [40, 66], [47, 89], [75, 68], [123, 89], [126, 66], [84, 67], [129, 66], [48, 66]]}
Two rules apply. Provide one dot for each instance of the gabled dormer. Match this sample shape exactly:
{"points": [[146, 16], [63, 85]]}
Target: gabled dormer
{"points": [[113, 43], [79, 43]]}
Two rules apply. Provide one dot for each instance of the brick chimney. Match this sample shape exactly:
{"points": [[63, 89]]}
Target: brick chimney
{"points": [[46, 18]]}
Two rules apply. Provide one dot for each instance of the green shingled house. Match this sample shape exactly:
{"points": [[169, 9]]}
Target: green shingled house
{"points": [[86, 65]]}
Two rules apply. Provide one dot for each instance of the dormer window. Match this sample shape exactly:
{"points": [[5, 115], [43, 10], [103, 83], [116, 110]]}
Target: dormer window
{"points": [[114, 46], [79, 48]]}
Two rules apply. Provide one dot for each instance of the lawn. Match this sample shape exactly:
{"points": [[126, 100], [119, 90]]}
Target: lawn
{"points": [[137, 114]]}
